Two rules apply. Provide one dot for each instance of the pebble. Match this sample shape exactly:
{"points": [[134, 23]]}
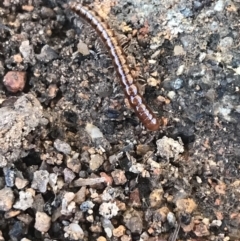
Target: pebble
{"points": [[108, 227], [27, 52], [134, 198], [171, 95], [101, 238], [17, 231], [119, 231], [62, 147], [25, 200], [93, 131], [156, 198], [83, 48], [225, 44], [216, 223], [180, 70], [47, 12], [161, 214], [201, 230], [219, 6], [119, 177], [68, 175], [42, 222], [202, 56], [176, 84], [74, 232], [9, 176], [85, 206], [186, 205], [40, 180], [20, 183], [28, 8], [74, 163], [96, 161], [6, 199], [153, 82], [14, 81], [108, 210], [47, 54], [133, 221], [169, 148], [171, 219], [11, 214], [80, 196], [108, 179], [52, 91]]}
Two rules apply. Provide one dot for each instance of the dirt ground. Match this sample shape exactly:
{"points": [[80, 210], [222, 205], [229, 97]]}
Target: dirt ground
{"points": [[75, 161]]}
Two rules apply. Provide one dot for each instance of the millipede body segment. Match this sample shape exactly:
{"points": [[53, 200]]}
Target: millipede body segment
{"points": [[108, 37]]}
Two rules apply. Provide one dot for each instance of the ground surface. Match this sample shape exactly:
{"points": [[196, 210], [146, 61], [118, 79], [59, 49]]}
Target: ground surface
{"points": [[76, 163]]}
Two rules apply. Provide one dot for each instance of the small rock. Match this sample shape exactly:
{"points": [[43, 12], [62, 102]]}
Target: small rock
{"points": [[52, 91], [74, 163], [219, 6], [171, 219], [93, 131], [9, 175], [6, 199], [85, 206], [142, 149], [161, 214], [25, 201], [176, 84], [28, 8], [47, 12], [186, 205], [96, 161], [216, 223], [225, 44], [171, 95], [27, 52], [178, 50], [201, 230], [108, 210], [1, 236], [133, 221], [68, 206], [62, 147], [74, 232], [42, 222], [221, 188], [108, 227], [17, 58], [20, 183], [47, 54], [202, 56], [83, 48], [180, 72], [17, 231], [119, 177], [101, 238], [153, 82], [68, 175], [14, 81], [156, 198], [11, 214], [169, 148], [80, 196], [40, 180], [119, 231], [108, 179], [135, 199]]}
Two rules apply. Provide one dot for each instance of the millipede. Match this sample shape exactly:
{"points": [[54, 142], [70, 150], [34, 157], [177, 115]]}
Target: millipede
{"points": [[108, 37]]}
